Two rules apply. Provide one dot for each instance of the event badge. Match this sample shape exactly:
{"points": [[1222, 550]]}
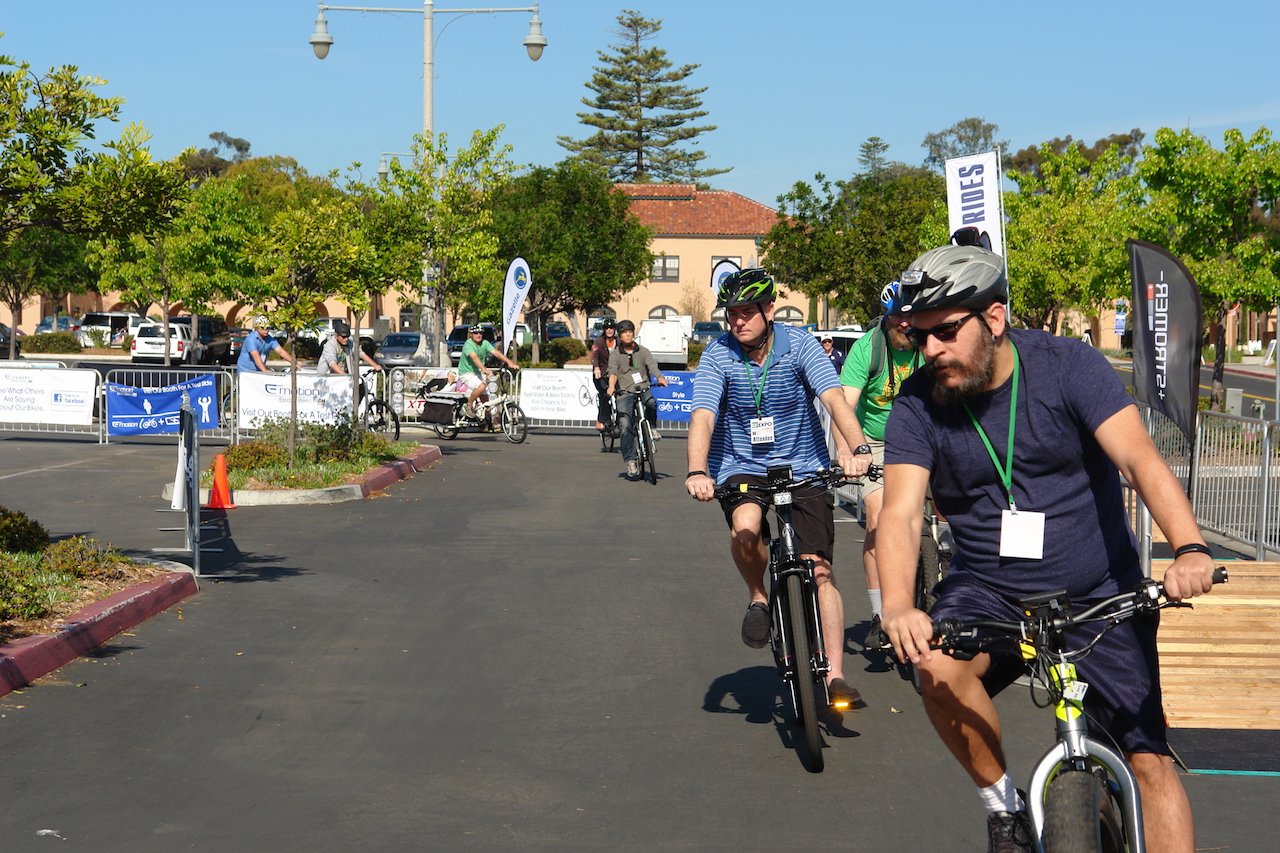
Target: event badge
{"points": [[637, 378], [1022, 534], [762, 430]]}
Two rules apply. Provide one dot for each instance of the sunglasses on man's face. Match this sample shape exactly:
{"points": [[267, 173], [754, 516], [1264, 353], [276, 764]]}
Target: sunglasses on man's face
{"points": [[944, 332]]}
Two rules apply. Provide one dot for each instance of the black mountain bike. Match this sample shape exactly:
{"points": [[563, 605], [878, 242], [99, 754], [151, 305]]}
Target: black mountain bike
{"points": [[796, 635], [642, 434], [1083, 796]]}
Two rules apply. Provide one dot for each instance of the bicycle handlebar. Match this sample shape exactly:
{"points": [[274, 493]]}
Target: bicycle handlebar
{"points": [[974, 635], [833, 477]]}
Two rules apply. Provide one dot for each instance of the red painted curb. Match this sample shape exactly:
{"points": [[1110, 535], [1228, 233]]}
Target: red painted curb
{"points": [[23, 661], [392, 472]]}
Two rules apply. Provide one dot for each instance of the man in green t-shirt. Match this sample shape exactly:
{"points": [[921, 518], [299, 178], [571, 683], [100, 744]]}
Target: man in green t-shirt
{"points": [[873, 372], [471, 369]]}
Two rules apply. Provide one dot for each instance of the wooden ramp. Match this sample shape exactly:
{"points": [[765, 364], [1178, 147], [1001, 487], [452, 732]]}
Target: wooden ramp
{"points": [[1220, 662]]}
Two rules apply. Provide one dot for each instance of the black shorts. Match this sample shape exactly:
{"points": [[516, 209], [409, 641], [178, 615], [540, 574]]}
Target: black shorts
{"points": [[811, 515], [1122, 671]]}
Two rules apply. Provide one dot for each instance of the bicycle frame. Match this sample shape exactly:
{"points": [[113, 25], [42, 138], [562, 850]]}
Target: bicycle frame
{"points": [[783, 561]]}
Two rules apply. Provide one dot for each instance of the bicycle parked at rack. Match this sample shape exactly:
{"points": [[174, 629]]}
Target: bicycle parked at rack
{"points": [[1083, 796], [499, 411], [796, 633], [642, 434]]}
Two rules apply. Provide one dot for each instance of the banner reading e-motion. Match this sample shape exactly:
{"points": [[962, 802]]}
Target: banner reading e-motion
{"points": [[1167, 323]]}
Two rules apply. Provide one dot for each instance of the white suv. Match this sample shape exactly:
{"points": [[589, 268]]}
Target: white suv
{"points": [[148, 345]]}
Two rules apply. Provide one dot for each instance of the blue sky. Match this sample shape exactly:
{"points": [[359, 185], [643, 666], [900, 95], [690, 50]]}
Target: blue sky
{"points": [[794, 87]]}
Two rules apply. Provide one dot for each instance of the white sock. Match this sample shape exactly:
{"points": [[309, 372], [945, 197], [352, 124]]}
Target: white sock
{"points": [[876, 607], [1002, 796]]}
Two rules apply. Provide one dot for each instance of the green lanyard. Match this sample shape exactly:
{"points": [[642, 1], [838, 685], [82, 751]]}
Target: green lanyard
{"points": [[1005, 471], [758, 393]]}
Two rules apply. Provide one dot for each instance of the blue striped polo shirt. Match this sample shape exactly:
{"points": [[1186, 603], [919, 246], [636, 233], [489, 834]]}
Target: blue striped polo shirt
{"points": [[798, 370]]}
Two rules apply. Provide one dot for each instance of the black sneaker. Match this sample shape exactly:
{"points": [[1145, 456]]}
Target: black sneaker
{"points": [[876, 640], [755, 625], [1009, 833], [844, 696]]}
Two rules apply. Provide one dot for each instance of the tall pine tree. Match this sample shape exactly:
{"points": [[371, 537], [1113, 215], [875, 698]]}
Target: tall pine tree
{"points": [[642, 110]]}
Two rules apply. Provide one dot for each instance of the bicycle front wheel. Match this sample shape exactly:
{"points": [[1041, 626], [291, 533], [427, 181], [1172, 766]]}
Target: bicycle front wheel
{"points": [[929, 570], [514, 424], [382, 419], [648, 451], [1079, 816], [807, 713]]}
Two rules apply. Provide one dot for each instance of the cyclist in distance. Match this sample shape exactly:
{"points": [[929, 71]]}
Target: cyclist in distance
{"points": [[337, 350], [257, 348], [752, 409], [630, 366], [1023, 437], [471, 369], [600, 352], [873, 373]]}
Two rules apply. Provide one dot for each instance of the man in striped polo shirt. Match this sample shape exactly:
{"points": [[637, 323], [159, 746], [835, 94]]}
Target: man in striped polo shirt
{"points": [[753, 408]]}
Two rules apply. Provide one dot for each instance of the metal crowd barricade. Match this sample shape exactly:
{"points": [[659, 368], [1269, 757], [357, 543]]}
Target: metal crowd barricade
{"points": [[1235, 484], [159, 377], [95, 427]]}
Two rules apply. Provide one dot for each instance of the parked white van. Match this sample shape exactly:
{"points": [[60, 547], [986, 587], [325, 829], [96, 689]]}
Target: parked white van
{"points": [[113, 325]]}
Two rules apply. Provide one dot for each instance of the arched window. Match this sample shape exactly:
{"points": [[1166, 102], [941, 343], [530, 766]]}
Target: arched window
{"points": [[790, 316], [662, 312]]}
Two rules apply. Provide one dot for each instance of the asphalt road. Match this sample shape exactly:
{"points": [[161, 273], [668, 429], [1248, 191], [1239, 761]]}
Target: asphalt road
{"points": [[515, 650], [1254, 386]]}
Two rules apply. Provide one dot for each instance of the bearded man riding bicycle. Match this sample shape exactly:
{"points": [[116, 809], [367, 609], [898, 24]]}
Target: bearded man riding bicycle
{"points": [[753, 409], [1023, 437]]}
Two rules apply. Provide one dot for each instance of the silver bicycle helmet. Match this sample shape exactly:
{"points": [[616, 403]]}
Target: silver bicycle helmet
{"points": [[954, 277]]}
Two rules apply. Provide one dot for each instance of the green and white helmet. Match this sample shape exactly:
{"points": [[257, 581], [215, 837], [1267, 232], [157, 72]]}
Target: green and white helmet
{"points": [[954, 277], [746, 287]]}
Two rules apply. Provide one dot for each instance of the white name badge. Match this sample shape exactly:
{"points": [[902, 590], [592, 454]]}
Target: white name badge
{"points": [[637, 378], [762, 430], [1022, 535]]}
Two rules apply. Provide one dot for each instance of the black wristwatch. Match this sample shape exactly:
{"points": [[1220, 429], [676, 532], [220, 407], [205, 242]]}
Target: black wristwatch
{"points": [[861, 449]]}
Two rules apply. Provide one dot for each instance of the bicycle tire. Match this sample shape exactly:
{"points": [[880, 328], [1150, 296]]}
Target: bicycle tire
{"points": [[380, 418], [807, 713], [446, 431], [607, 440], [515, 426], [929, 570], [1079, 816], [648, 451]]}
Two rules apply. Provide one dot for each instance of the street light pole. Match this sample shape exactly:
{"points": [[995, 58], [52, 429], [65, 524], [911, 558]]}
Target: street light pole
{"points": [[534, 43]]}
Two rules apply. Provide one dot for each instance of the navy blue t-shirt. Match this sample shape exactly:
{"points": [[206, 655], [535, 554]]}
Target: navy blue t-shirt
{"points": [[1066, 391]]}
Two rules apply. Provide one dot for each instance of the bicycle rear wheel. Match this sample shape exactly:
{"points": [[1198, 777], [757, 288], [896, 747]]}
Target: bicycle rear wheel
{"points": [[1079, 816], [445, 430], [382, 419], [807, 713], [649, 450], [514, 424]]}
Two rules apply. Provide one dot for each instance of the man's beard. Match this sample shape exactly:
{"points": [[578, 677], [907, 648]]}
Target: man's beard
{"points": [[979, 375]]}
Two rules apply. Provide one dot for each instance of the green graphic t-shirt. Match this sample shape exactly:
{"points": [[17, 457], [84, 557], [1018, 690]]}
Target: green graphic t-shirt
{"points": [[877, 391]]}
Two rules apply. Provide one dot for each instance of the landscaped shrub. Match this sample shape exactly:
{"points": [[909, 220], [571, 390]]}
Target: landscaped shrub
{"points": [[58, 342], [562, 350], [99, 338], [27, 589], [255, 454], [18, 532], [83, 558]]}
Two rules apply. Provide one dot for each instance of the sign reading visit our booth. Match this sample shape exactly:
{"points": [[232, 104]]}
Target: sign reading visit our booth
{"points": [[152, 411], [570, 395], [47, 396], [265, 396]]}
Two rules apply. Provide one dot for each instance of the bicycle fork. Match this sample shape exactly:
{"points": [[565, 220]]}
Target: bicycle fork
{"points": [[1077, 749]]}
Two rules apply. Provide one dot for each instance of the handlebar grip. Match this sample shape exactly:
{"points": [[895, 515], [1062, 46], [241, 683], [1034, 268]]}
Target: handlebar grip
{"points": [[1220, 575], [943, 628]]}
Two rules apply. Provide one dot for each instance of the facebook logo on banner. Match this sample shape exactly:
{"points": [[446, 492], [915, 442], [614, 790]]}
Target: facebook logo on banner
{"points": [[675, 402]]}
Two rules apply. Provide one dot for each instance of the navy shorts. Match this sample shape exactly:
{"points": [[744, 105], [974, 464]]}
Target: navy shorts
{"points": [[811, 515], [1122, 671]]}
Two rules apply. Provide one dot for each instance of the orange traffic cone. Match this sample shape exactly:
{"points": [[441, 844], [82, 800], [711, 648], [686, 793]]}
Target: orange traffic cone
{"points": [[220, 495]]}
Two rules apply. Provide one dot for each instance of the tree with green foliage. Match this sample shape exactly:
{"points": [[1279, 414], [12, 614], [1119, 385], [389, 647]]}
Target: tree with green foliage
{"points": [[1067, 230], [642, 111], [47, 176], [967, 136], [1220, 208], [1028, 160], [209, 163], [439, 212], [583, 243], [34, 261]]}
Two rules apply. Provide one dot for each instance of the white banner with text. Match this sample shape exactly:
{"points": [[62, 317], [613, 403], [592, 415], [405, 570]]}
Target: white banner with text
{"points": [[269, 395], [61, 396], [974, 199]]}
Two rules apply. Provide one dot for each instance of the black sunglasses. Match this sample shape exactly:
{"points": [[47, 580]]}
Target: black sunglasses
{"points": [[944, 332]]}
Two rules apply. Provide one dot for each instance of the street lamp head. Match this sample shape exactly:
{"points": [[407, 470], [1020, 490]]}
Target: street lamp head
{"points": [[320, 39], [383, 171], [535, 41]]}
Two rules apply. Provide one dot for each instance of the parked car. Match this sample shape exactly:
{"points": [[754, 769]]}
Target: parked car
{"points": [[214, 344], [397, 349], [4, 343], [114, 326], [706, 331], [61, 323], [458, 338], [148, 345], [558, 330], [237, 340]]}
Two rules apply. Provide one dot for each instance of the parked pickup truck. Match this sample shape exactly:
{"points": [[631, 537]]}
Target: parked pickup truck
{"points": [[668, 340]]}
